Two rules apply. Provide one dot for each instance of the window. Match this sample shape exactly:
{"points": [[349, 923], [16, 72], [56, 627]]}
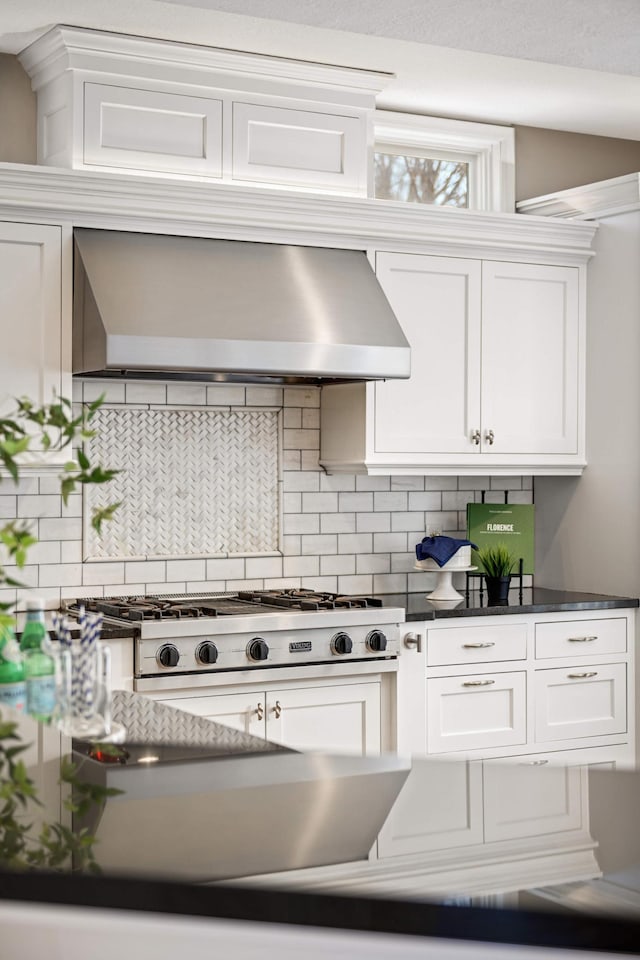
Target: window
{"points": [[444, 162]]}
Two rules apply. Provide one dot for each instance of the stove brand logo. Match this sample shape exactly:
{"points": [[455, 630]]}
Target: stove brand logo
{"points": [[300, 646]]}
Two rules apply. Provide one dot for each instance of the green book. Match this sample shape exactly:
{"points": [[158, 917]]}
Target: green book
{"points": [[511, 524]]}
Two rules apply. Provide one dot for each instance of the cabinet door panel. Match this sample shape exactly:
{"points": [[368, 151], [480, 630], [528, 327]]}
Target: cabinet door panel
{"points": [[440, 806], [437, 301], [242, 711], [585, 701], [530, 358], [30, 306], [471, 712], [340, 719], [527, 797]]}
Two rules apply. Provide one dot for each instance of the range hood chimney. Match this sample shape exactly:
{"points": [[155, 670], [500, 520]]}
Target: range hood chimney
{"points": [[148, 305]]}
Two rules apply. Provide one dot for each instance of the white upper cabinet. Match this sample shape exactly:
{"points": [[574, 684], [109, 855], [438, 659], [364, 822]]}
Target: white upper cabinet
{"points": [[32, 297], [497, 374], [133, 105]]}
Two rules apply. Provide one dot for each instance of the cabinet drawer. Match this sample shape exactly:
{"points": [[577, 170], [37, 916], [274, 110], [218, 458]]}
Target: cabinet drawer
{"points": [[585, 701], [476, 711], [481, 644], [581, 638], [152, 131], [527, 797]]}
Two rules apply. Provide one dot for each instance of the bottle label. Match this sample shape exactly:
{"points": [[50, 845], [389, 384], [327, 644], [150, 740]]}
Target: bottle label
{"points": [[13, 695], [41, 695]]}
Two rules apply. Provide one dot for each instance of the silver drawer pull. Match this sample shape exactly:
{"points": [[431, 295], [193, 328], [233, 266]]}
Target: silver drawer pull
{"points": [[581, 639], [477, 683], [582, 676], [477, 646], [534, 763]]}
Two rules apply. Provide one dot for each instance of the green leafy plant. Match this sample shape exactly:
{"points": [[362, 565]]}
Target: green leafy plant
{"points": [[55, 846], [55, 426], [497, 561]]}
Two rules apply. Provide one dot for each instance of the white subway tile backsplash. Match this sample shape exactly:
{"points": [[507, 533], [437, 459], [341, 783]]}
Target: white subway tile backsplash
{"points": [[225, 395], [225, 569], [303, 480], [429, 500], [322, 544], [186, 569], [39, 506], [146, 392], [351, 533], [372, 483], [355, 584], [392, 501], [338, 523], [355, 542], [67, 528], [359, 502], [27, 576], [293, 523], [300, 566], [263, 396], [9, 508], [372, 563], [319, 502], [302, 396], [292, 418], [106, 573], [193, 394], [389, 583], [263, 567], [337, 565], [337, 481], [389, 542], [373, 522]]}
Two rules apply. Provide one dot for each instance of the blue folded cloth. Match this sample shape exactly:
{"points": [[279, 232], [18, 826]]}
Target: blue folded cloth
{"points": [[440, 549]]}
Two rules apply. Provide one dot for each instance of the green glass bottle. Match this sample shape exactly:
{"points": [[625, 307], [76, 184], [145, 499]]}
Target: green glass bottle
{"points": [[12, 684], [39, 665]]}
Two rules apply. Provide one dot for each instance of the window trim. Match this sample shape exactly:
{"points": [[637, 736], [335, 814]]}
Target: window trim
{"points": [[488, 149]]}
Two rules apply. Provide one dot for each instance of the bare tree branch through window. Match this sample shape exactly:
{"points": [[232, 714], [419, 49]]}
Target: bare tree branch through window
{"points": [[421, 180]]}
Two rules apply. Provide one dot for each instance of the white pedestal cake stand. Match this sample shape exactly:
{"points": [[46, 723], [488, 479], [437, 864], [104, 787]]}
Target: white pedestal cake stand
{"points": [[445, 590]]}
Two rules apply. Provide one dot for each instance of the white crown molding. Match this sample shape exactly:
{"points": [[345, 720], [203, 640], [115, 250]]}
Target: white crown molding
{"points": [[158, 205], [605, 198], [94, 51]]}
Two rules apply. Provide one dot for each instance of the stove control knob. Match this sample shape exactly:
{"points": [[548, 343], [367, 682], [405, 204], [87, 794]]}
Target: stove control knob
{"points": [[207, 653], [376, 641], [258, 649], [341, 644], [168, 655]]}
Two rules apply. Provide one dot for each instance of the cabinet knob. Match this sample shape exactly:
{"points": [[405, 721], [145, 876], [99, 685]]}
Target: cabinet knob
{"points": [[475, 437], [277, 710], [490, 437], [260, 712]]}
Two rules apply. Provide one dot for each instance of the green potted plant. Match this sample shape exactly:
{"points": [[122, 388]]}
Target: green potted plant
{"points": [[497, 562]]}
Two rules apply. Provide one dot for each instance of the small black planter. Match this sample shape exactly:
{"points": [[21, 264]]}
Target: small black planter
{"points": [[497, 590]]}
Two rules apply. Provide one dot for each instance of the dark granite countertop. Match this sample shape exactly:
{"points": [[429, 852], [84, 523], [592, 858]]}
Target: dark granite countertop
{"points": [[530, 600]]}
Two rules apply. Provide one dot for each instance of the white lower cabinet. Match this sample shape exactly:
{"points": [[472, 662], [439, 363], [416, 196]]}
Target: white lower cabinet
{"points": [[518, 708], [338, 718]]}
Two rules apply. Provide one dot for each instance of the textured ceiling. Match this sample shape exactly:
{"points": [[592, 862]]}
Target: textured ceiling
{"points": [[589, 34], [562, 64]]}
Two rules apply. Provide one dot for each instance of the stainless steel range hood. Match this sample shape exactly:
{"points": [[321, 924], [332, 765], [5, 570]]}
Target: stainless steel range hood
{"points": [[185, 307]]}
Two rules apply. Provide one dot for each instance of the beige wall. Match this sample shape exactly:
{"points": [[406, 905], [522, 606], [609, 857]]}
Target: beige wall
{"points": [[17, 113], [550, 160], [546, 160]]}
